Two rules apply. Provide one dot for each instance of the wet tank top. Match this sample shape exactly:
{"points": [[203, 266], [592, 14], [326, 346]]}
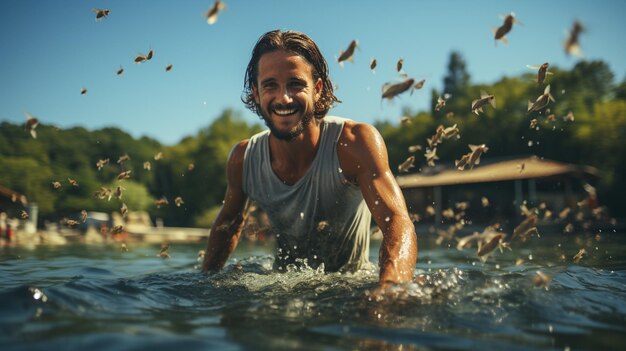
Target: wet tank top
{"points": [[322, 218]]}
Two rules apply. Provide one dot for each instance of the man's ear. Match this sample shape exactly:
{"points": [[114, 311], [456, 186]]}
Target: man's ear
{"points": [[255, 94], [319, 86]]}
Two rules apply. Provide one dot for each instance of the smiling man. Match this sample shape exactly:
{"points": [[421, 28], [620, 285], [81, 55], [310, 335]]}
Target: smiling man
{"points": [[319, 178]]}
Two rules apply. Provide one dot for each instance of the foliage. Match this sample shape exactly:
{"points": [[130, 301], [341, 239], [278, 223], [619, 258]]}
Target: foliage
{"points": [[194, 169], [595, 137], [204, 186], [457, 79], [31, 165], [26, 175], [207, 217]]}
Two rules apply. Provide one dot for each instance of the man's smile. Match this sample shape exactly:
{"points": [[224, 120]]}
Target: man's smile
{"points": [[285, 112]]}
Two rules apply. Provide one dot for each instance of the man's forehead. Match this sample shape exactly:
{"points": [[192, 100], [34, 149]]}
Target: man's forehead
{"points": [[275, 62]]}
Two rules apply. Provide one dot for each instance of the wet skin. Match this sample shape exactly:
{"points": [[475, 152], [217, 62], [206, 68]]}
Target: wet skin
{"points": [[286, 93]]}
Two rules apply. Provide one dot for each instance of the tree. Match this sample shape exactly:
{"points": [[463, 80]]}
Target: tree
{"points": [[580, 88], [457, 79], [31, 178], [203, 187], [620, 90], [602, 145]]}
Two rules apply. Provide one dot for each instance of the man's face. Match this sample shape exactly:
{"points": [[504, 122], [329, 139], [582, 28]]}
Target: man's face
{"points": [[286, 93]]}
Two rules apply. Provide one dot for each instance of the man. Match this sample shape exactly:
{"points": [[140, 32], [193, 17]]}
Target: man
{"points": [[319, 178]]}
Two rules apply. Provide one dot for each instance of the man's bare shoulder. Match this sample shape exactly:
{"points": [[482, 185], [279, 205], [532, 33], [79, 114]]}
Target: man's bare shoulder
{"points": [[237, 154], [361, 148], [361, 137], [239, 150]]}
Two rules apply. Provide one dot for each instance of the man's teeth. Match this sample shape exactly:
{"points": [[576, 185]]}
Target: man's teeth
{"points": [[284, 112]]}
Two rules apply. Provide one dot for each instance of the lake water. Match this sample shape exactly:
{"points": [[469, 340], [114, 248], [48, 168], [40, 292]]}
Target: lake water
{"points": [[82, 297]]}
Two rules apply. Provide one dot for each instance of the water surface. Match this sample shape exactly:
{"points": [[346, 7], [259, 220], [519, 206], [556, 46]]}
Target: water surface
{"points": [[79, 297]]}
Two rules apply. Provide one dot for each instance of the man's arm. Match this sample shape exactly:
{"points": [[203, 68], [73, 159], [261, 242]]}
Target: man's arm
{"points": [[365, 161], [229, 222]]}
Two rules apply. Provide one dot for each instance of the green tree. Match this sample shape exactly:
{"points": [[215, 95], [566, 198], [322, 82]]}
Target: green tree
{"points": [[29, 177], [620, 90], [203, 187], [457, 79]]}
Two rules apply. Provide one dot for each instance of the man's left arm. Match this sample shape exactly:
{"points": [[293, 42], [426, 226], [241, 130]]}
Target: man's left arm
{"points": [[365, 156]]}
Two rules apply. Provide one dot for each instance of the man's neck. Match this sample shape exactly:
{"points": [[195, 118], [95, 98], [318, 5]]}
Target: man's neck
{"points": [[300, 152]]}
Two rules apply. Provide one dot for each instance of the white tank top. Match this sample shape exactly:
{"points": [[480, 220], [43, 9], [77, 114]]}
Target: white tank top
{"points": [[322, 218]]}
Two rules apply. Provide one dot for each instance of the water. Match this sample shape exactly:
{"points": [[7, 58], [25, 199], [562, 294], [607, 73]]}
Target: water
{"points": [[81, 297]]}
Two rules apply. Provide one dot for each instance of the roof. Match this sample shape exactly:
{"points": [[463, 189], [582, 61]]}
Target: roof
{"points": [[6, 192], [534, 168]]}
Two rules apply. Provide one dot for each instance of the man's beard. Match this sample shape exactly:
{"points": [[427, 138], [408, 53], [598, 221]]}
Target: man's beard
{"points": [[294, 132]]}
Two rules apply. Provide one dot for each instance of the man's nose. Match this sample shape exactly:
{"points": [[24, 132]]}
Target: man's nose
{"points": [[285, 96]]}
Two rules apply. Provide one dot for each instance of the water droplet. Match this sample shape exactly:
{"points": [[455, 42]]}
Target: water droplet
{"points": [[301, 215], [530, 257], [38, 294], [387, 219], [530, 143], [376, 202], [340, 170]]}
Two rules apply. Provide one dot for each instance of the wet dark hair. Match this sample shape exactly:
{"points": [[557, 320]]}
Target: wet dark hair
{"points": [[301, 45]]}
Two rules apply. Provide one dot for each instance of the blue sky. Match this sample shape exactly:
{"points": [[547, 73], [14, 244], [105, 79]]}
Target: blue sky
{"points": [[51, 49]]}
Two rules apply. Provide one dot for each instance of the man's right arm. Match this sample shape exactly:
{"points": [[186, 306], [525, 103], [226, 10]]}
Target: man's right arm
{"points": [[227, 226]]}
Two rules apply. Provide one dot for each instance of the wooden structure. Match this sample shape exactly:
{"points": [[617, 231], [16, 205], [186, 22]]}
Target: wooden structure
{"points": [[11, 201], [506, 183]]}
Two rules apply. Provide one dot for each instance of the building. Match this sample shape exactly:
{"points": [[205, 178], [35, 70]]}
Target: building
{"points": [[506, 184], [12, 204], [11, 200]]}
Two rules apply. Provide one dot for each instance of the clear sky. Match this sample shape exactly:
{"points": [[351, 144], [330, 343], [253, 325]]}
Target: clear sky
{"points": [[49, 50]]}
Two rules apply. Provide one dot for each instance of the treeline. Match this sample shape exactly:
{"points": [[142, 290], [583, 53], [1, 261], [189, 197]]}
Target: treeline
{"points": [[194, 169], [588, 92]]}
